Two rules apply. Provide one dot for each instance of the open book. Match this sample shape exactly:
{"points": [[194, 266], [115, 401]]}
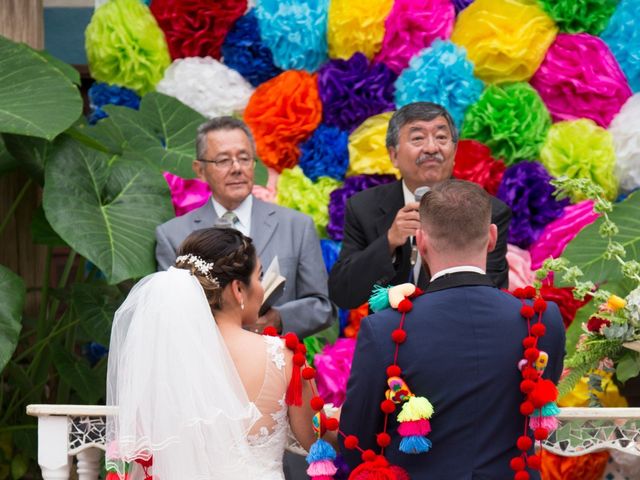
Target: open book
{"points": [[273, 284]]}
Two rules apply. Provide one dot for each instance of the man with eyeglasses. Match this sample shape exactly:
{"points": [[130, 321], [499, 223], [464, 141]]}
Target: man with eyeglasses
{"points": [[226, 161]]}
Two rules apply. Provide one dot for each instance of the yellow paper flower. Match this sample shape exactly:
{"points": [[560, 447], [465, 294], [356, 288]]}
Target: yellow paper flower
{"points": [[505, 39], [356, 27], [615, 303], [367, 149], [579, 396]]}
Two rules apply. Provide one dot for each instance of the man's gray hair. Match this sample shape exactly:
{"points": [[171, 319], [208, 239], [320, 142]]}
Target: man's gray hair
{"points": [[221, 123], [414, 112]]}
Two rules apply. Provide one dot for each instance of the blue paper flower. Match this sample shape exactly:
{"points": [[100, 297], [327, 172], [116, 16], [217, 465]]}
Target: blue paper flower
{"points": [[101, 94], [94, 352], [295, 31], [244, 51], [325, 153], [622, 35], [440, 74], [330, 252]]}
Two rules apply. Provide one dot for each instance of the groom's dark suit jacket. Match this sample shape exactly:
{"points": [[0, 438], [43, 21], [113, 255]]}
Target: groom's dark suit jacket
{"points": [[364, 258], [464, 341]]}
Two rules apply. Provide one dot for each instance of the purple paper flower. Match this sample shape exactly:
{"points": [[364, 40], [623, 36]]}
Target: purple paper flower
{"points": [[338, 199], [461, 4], [325, 153], [526, 189], [354, 90]]}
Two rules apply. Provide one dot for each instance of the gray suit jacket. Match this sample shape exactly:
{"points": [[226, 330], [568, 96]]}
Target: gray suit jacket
{"points": [[304, 307]]}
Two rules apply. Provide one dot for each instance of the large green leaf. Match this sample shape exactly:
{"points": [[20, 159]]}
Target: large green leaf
{"points": [[106, 208], [8, 163], [75, 372], [41, 231], [36, 97], [94, 305], [67, 70], [32, 153], [12, 295], [587, 250]]}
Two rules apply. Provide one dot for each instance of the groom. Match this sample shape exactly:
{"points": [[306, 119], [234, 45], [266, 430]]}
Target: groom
{"points": [[462, 350]]}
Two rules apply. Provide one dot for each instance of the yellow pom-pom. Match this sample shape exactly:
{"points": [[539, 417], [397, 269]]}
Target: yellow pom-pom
{"points": [[615, 303], [367, 148], [505, 39], [416, 408]]}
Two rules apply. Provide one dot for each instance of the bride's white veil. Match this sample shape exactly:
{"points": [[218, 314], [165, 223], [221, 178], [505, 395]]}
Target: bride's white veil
{"points": [[178, 393]]}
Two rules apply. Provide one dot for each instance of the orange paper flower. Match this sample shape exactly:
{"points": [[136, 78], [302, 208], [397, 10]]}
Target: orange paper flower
{"points": [[282, 113], [584, 467]]}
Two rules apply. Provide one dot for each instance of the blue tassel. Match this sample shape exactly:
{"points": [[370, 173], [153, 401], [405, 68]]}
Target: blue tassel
{"points": [[415, 444], [379, 299], [320, 450]]}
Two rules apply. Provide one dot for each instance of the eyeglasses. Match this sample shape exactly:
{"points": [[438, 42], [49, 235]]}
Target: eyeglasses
{"points": [[227, 162]]}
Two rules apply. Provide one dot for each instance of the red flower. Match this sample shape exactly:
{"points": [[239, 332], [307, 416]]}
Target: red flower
{"points": [[595, 324], [474, 163], [563, 297]]}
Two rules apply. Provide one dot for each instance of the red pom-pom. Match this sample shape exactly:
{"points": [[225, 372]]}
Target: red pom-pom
{"points": [[308, 373], [368, 456], [527, 386], [405, 305], [522, 475], [517, 464], [526, 408], [317, 403], [383, 439], [540, 433], [529, 342], [527, 312], [301, 348], [534, 462], [387, 406], [394, 371], [530, 373], [350, 442], [270, 331], [291, 340], [529, 292], [538, 330], [399, 473], [417, 292], [544, 393], [298, 359], [531, 354], [518, 293], [398, 335], [539, 305], [524, 443], [332, 424]]}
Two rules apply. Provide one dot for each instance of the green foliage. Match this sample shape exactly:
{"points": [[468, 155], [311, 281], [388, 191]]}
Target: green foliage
{"points": [[12, 293], [628, 366]]}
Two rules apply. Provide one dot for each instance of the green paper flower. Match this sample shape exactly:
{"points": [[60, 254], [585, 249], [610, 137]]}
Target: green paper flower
{"points": [[575, 16], [126, 47], [297, 191], [511, 119], [581, 149]]}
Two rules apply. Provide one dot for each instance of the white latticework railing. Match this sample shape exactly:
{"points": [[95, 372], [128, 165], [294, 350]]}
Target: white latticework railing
{"points": [[65, 431]]}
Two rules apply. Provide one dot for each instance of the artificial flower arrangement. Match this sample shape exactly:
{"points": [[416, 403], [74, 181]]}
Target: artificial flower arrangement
{"points": [[611, 335]]}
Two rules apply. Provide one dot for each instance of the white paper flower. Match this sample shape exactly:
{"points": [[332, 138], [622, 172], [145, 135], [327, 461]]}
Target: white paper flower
{"points": [[207, 86], [625, 129]]}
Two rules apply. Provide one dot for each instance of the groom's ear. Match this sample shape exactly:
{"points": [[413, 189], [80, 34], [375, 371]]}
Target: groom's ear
{"points": [[421, 242]]}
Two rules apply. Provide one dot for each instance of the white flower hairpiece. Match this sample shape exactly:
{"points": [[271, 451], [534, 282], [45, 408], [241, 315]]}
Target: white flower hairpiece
{"points": [[200, 265]]}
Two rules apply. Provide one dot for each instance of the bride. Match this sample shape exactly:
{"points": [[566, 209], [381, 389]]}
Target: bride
{"points": [[198, 397]]}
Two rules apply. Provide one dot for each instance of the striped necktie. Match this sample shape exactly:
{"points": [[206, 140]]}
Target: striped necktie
{"points": [[231, 218]]}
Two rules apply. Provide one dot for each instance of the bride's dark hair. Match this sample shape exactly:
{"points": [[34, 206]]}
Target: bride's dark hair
{"points": [[232, 254]]}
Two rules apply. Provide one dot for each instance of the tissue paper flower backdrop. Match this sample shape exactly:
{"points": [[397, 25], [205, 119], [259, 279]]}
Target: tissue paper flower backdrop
{"points": [[511, 119], [101, 94], [520, 273], [356, 27], [367, 148], [196, 28], [563, 297], [330, 251], [581, 149], [576, 16], [443, 75], [461, 4], [622, 35], [339, 197], [244, 51], [505, 39], [298, 192], [580, 78], [325, 153], [353, 90], [411, 26], [281, 113], [474, 163], [333, 366], [625, 130], [557, 234], [268, 192], [186, 193], [526, 189], [295, 31], [206, 85], [125, 46]]}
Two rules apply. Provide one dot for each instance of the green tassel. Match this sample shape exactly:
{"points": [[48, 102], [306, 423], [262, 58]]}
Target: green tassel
{"points": [[379, 299], [416, 408]]}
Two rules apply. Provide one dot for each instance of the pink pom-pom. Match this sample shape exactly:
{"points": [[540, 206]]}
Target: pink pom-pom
{"points": [[549, 423], [416, 427], [186, 194], [321, 467]]}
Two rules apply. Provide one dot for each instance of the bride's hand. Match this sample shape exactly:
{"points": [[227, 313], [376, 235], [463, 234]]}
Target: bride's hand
{"points": [[270, 318]]}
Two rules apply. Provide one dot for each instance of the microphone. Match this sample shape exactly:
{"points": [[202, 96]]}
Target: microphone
{"points": [[417, 195]]}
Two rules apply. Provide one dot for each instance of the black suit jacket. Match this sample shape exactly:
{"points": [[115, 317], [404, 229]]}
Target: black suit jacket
{"points": [[365, 261], [464, 341]]}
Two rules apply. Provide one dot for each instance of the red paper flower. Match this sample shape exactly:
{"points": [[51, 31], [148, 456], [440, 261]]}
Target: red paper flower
{"points": [[474, 163], [196, 28], [563, 297], [594, 324]]}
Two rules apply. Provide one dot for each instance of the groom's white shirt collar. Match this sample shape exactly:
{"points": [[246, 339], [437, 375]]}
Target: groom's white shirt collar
{"points": [[461, 268], [243, 212]]}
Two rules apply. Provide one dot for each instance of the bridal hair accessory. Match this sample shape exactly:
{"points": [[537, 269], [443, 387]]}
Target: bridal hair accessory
{"points": [[200, 265]]}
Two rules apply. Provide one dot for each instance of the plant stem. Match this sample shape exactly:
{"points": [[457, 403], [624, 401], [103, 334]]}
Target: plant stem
{"points": [[63, 280], [44, 298], [15, 204]]}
